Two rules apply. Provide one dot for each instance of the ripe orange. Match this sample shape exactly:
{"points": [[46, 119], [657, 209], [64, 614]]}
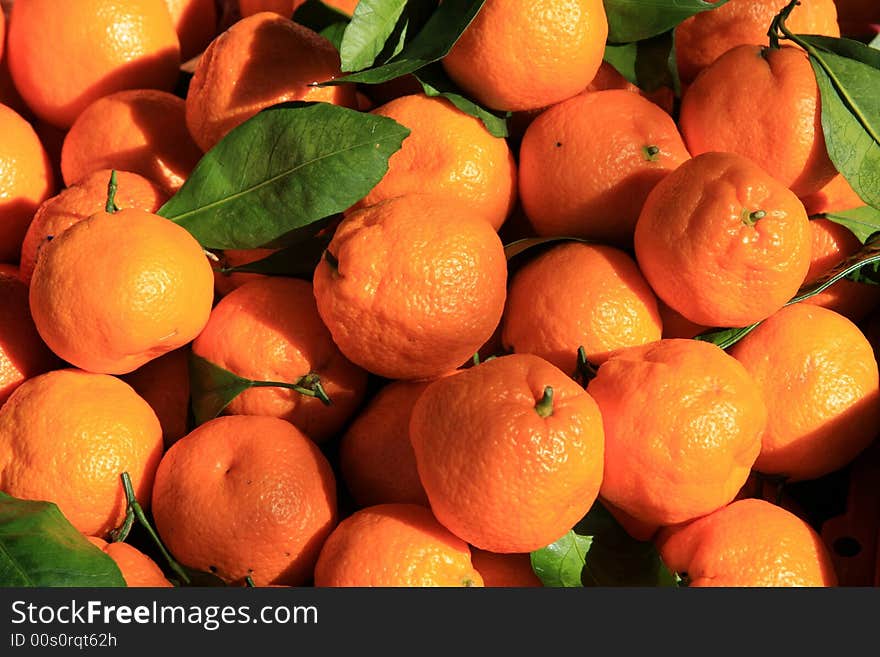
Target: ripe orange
{"points": [[23, 354], [63, 56], [287, 7], [195, 22], [226, 283], [701, 39], [525, 55], [448, 153], [607, 77], [394, 545], [80, 201], [832, 244], [117, 290], [509, 452], [66, 437], [139, 130], [376, 457], [683, 423], [836, 196], [412, 287], [588, 163], [676, 326], [26, 180], [504, 570], [817, 372], [269, 330], [579, 295], [762, 103], [260, 61], [136, 567], [245, 495], [722, 242], [164, 385], [748, 543]]}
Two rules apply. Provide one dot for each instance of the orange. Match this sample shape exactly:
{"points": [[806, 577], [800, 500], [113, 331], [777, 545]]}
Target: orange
{"points": [[817, 372], [748, 543], [588, 163], [164, 385], [607, 77], [504, 570], [136, 567], [832, 244], [195, 22], [139, 130], [836, 196], [412, 287], [509, 452], [66, 437], [63, 56], [524, 55], [683, 423], [226, 283], [22, 353], [579, 295], [2, 32], [115, 291], [448, 153], [80, 201], [376, 457], [676, 326], [722, 242], [26, 180], [762, 103], [269, 330], [246, 495], [701, 39], [394, 545], [262, 60], [287, 7]]}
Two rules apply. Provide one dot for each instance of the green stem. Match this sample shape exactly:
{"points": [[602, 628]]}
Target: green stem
{"points": [[110, 206], [138, 512], [308, 385], [119, 534], [544, 407], [249, 582], [585, 370], [651, 153], [751, 218]]}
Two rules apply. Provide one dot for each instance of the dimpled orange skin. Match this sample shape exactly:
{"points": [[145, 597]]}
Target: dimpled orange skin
{"points": [[66, 437], [587, 164], [23, 354], [703, 38], [525, 55], [139, 130], [817, 372], [80, 201], [762, 103], [376, 457], [26, 180], [269, 330], [497, 473], [164, 385], [195, 22], [262, 60], [450, 154], [117, 290], [394, 545], [683, 424], [419, 287], [504, 570], [63, 56], [137, 569], [832, 244], [577, 295], [697, 249], [748, 543], [245, 495]]}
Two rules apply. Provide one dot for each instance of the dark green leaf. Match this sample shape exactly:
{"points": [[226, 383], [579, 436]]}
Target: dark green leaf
{"points": [[297, 260], [326, 21], [435, 83], [39, 547], [213, 388], [863, 222], [844, 47], [561, 564], [372, 24], [281, 171], [634, 20], [431, 44], [645, 63]]}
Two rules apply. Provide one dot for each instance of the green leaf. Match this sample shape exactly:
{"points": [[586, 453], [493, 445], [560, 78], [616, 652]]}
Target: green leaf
{"points": [[39, 547], [436, 83], [634, 20], [875, 42], [281, 171], [323, 19], [864, 222], [372, 24], [431, 44], [518, 247], [599, 552], [646, 63], [844, 47], [297, 261]]}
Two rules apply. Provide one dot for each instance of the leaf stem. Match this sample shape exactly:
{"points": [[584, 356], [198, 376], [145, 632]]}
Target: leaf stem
{"points": [[110, 206], [544, 407], [308, 385], [585, 371]]}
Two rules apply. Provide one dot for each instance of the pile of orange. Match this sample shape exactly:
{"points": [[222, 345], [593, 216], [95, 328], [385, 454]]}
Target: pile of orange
{"points": [[432, 412]]}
